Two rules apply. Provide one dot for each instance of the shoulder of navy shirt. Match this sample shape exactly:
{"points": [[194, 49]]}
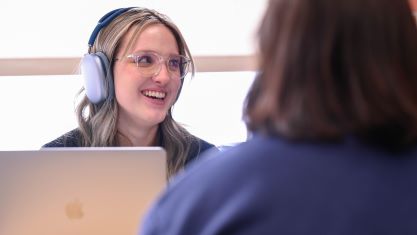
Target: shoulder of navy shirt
{"points": [[272, 186]]}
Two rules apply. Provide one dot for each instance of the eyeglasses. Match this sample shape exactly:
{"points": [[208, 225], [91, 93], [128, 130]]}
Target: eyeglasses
{"points": [[149, 64]]}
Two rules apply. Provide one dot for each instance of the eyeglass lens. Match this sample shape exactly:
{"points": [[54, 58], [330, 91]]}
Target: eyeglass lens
{"points": [[150, 64]]}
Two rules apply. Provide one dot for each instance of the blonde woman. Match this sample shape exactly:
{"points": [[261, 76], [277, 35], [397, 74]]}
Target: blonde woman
{"points": [[142, 59]]}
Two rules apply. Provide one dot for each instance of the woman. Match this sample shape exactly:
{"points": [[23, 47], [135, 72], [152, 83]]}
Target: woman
{"points": [[334, 120], [144, 59]]}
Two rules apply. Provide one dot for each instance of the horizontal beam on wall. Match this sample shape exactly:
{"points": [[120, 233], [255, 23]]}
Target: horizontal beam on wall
{"points": [[70, 65]]}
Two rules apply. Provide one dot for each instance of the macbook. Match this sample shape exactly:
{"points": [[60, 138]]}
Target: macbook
{"points": [[79, 190]]}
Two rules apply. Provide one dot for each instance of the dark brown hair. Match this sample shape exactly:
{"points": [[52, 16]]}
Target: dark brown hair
{"points": [[333, 68]]}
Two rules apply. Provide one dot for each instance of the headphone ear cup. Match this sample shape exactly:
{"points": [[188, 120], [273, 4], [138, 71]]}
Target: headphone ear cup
{"points": [[95, 69]]}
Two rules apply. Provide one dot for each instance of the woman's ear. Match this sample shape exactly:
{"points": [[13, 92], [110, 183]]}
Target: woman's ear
{"points": [[413, 4]]}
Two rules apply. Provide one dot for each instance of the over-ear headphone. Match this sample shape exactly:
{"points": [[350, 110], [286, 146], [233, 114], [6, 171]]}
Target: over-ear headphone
{"points": [[95, 67]]}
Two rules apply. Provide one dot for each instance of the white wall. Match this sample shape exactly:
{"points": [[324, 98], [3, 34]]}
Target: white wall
{"points": [[36, 110], [61, 28]]}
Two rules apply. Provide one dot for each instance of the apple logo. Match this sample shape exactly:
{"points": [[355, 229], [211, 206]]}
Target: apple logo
{"points": [[74, 209]]}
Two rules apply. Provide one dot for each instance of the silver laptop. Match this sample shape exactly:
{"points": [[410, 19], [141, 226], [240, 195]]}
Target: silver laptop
{"points": [[78, 190]]}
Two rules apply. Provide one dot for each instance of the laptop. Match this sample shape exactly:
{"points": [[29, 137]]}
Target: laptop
{"points": [[79, 190]]}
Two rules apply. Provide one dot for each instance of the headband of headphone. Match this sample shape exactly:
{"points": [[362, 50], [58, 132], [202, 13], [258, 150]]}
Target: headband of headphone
{"points": [[95, 67], [104, 21]]}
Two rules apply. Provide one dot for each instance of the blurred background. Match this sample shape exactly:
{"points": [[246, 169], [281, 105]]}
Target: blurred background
{"points": [[42, 42]]}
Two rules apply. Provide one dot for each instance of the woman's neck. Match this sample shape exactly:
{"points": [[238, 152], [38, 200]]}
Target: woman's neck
{"points": [[134, 137]]}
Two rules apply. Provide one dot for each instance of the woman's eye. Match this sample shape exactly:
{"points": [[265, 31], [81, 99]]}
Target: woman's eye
{"points": [[174, 63], [144, 60]]}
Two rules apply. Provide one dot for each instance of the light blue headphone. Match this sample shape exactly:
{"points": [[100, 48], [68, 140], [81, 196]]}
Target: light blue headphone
{"points": [[95, 67]]}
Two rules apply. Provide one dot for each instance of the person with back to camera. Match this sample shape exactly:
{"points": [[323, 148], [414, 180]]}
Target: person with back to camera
{"points": [[133, 75], [333, 121]]}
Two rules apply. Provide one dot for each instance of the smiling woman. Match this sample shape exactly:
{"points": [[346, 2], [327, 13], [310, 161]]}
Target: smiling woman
{"points": [[129, 102], [49, 64]]}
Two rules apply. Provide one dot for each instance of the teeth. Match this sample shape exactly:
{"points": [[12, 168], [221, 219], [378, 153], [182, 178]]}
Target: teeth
{"points": [[155, 94]]}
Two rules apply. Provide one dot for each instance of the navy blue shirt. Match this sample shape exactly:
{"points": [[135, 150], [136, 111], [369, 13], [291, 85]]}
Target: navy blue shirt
{"points": [[271, 186]]}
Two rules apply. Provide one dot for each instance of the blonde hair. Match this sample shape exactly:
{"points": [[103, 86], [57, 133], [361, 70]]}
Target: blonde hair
{"points": [[98, 122]]}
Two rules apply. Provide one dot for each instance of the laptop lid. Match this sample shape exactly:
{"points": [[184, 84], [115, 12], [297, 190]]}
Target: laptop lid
{"points": [[78, 190]]}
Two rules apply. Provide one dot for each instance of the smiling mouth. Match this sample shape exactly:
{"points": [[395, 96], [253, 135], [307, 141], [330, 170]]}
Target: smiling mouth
{"points": [[155, 94]]}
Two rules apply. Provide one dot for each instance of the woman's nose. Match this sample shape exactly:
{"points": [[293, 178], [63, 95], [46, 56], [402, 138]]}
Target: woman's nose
{"points": [[163, 76]]}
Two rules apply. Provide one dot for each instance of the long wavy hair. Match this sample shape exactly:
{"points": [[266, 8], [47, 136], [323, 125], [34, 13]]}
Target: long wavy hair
{"points": [[97, 122], [334, 68]]}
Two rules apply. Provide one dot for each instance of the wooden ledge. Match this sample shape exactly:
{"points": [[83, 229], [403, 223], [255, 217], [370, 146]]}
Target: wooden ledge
{"points": [[70, 65]]}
